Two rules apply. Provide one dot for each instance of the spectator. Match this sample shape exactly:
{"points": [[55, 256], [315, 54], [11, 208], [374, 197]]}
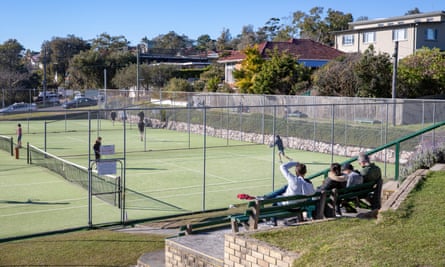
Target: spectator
{"points": [[371, 173], [335, 178], [279, 143], [96, 148], [296, 183], [354, 176], [19, 135]]}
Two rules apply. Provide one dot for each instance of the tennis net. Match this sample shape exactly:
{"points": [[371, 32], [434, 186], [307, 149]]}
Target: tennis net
{"points": [[6, 144], [106, 188]]}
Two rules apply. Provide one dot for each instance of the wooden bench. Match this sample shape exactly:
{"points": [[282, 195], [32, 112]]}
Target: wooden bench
{"points": [[281, 207], [360, 194], [369, 121], [211, 223]]}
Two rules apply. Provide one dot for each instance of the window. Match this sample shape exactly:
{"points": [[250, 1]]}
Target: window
{"points": [[431, 34], [348, 39], [399, 35], [369, 37]]}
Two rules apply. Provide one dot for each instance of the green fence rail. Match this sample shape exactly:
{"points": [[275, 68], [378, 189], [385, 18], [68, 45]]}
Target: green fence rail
{"points": [[395, 143]]}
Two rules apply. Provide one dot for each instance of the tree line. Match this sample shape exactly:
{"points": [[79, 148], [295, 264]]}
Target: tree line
{"points": [[72, 62]]}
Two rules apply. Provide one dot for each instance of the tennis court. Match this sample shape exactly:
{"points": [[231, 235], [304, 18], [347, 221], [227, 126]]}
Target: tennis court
{"points": [[167, 173]]}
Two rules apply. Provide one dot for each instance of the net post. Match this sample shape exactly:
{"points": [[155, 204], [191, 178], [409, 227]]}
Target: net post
{"points": [[119, 192], [28, 158], [12, 147]]}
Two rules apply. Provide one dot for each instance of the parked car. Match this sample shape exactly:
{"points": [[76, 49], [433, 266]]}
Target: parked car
{"points": [[49, 97], [19, 107], [80, 102], [297, 114]]}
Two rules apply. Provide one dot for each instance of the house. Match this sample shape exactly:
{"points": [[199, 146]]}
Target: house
{"points": [[308, 52], [411, 31]]}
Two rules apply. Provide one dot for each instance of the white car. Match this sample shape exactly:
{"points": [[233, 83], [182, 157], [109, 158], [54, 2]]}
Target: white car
{"points": [[19, 107]]}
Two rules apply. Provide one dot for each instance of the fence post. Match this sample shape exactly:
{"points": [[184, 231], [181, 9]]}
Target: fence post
{"points": [[397, 162]]}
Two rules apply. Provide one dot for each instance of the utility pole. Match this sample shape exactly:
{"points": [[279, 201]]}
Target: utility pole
{"points": [[44, 75], [105, 79], [137, 71], [394, 80]]}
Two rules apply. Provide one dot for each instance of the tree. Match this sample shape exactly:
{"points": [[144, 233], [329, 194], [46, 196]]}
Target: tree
{"points": [[105, 43], [59, 52], [172, 40], [250, 66], [246, 38], [279, 74], [374, 74], [223, 41], [212, 77], [13, 73], [337, 77], [108, 54], [269, 30], [413, 11], [313, 26], [205, 43], [150, 75], [176, 84], [421, 74]]}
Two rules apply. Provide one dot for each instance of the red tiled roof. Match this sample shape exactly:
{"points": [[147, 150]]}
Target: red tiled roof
{"points": [[301, 48]]}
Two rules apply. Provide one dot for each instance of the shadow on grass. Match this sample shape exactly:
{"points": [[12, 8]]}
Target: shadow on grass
{"points": [[30, 201]]}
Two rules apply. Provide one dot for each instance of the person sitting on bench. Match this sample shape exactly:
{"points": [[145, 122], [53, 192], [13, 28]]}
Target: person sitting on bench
{"points": [[354, 176], [335, 179], [371, 173], [296, 183]]}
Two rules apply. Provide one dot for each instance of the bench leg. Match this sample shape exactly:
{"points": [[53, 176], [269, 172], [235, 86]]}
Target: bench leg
{"points": [[321, 204], [188, 230], [235, 228]]}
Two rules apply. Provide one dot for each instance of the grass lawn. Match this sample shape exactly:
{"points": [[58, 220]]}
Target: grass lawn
{"points": [[411, 236], [85, 248], [168, 180]]}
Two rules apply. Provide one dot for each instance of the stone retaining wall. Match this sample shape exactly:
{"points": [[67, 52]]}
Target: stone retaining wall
{"points": [[290, 142]]}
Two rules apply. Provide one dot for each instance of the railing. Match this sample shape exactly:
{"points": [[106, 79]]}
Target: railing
{"points": [[395, 143]]}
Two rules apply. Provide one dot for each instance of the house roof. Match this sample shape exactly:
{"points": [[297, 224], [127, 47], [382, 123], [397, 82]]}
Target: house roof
{"points": [[304, 49]]}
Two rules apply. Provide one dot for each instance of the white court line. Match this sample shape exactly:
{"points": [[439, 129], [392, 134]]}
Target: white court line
{"points": [[198, 186], [190, 170]]}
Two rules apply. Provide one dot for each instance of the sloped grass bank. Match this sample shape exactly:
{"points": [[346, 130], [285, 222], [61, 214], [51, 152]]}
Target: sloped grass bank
{"points": [[411, 236], [85, 248]]}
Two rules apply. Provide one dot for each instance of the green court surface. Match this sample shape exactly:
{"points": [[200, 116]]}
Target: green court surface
{"points": [[168, 173]]}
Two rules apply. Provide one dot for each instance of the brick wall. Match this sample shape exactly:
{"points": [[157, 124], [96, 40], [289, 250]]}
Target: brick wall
{"points": [[239, 251], [178, 255], [242, 251]]}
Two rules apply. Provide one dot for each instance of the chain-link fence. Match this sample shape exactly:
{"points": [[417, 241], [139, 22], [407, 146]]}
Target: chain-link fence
{"points": [[202, 130]]}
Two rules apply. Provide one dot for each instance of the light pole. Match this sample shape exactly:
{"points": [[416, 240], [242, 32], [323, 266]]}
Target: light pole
{"points": [[394, 81]]}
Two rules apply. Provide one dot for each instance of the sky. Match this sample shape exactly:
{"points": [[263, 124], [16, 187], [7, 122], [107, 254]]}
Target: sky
{"points": [[31, 22]]}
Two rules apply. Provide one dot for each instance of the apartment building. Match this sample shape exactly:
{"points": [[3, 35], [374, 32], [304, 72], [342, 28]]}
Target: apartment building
{"points": [[411, 31]]}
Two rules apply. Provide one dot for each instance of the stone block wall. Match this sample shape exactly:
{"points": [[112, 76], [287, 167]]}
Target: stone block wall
{"points": [[291, 142]]}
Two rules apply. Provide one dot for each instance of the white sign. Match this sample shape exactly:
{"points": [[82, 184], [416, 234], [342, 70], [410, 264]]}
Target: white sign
{"points": [[106, 167], [107, 150]]}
